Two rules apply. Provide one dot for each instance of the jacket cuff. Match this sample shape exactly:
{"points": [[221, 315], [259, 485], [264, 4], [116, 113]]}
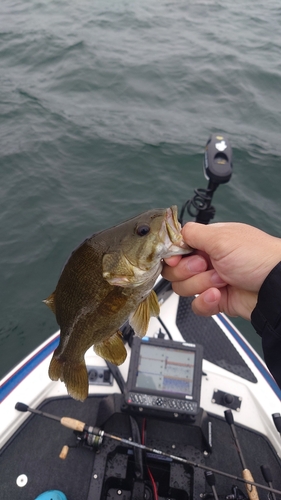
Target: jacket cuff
{"points": [[268, 308]]}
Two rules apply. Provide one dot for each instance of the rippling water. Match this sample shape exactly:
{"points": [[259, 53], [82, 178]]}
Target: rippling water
{"points": [[105, 110]]}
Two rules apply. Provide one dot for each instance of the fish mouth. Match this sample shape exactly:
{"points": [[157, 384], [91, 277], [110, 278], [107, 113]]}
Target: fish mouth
{"points": [[173, 240]]}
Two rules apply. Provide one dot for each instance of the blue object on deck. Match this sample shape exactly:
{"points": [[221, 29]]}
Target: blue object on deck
{"points": [[52, 495]]}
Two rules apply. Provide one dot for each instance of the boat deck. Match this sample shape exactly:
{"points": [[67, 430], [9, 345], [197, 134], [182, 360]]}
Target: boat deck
{"points": [[217, 348], [34, 451]]}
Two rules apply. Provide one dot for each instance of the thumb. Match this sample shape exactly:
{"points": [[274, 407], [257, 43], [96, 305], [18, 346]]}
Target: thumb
{"points": [[207, 303], [202, 237]]}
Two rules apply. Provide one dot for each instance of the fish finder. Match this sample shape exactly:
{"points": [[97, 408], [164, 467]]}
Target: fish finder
{"points": [[164, 375]]}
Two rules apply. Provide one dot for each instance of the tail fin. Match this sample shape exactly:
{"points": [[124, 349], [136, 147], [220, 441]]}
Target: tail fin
{"points": [[74, 376]]}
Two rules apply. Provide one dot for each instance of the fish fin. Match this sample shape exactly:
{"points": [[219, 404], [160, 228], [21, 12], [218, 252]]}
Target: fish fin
{"points": [[56, 369], [50, 302], [74, 376], [139, 320], [118, 271], [112, 349]]}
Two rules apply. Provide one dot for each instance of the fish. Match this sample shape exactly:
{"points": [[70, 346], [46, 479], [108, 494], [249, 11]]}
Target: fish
{"points": [[107, 280]]}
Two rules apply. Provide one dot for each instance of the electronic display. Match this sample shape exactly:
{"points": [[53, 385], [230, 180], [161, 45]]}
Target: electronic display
{"points": [[165, 369], [165, 375]]}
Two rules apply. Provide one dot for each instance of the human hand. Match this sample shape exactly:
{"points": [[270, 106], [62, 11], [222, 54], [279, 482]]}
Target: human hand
{"points": [[230, 264]]}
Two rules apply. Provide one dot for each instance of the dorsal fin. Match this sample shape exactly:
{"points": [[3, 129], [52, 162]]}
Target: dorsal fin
{"points": [[50, 302]]}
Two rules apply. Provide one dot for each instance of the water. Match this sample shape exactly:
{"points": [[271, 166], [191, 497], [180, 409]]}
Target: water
{"points": [[105, 110]]}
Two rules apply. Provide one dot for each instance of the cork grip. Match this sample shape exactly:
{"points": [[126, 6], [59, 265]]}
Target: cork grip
{"points": [[251, 489], [72, 423]]}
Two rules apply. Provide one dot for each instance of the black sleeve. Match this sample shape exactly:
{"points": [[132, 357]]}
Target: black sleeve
{"points": [[266, 319]]}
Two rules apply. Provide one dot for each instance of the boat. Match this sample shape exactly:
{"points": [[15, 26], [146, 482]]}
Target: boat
{"points": [[193, 413]]}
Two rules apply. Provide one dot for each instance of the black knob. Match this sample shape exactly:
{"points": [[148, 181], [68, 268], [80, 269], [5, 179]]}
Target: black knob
{"points": [[228, 399]]}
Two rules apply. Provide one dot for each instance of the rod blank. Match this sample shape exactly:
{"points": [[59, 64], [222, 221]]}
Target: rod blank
{"points": [[246, 473]]}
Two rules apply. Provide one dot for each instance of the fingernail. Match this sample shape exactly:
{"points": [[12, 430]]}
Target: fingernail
{"points": [[216, 279], [196, 264], [210, 297]]}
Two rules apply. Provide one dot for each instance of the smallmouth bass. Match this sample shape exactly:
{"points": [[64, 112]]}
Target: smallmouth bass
{"points": [[108, 279]]}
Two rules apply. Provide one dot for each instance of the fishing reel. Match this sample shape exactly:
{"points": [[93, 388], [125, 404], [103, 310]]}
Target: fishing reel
{"points": [[89, 437], [217, 167], [237, 494]]}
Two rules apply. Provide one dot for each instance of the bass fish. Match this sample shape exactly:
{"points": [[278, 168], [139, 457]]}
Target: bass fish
{"points": [[108, 279]]}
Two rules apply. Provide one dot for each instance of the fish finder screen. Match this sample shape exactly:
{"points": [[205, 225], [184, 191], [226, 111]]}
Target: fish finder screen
{"points": [[165, 369]]}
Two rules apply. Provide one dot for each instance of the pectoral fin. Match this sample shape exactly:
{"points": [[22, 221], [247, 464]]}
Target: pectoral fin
{"points": [[112, 349], [139, 320]]}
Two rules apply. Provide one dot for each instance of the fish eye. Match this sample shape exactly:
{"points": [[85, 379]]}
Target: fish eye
{"points": [[142, 230]]}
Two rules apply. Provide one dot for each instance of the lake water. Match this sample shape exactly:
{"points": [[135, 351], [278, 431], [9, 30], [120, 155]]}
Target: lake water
{"points": [[105, 110]]}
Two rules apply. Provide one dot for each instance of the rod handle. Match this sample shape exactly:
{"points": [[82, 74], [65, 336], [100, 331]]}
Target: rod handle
{"points": [[64, 452], [21, 407], [229, 417], [251, 489], [210, 478], [266, 472], [72, 423]]}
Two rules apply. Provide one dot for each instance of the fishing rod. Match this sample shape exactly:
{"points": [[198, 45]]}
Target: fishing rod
{"points": [[251, 490], [95, 437], [268, 479], [277, 421], [211, 480]]}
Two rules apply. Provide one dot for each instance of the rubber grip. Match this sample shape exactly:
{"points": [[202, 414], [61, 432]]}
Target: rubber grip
{"points": [[266, 472], [229, 417]]}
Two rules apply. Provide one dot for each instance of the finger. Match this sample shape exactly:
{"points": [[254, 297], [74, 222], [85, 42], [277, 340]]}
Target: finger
{"points": [[173, 261], [186, 267], [207, 304], [198, 283], [228, 300]]}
